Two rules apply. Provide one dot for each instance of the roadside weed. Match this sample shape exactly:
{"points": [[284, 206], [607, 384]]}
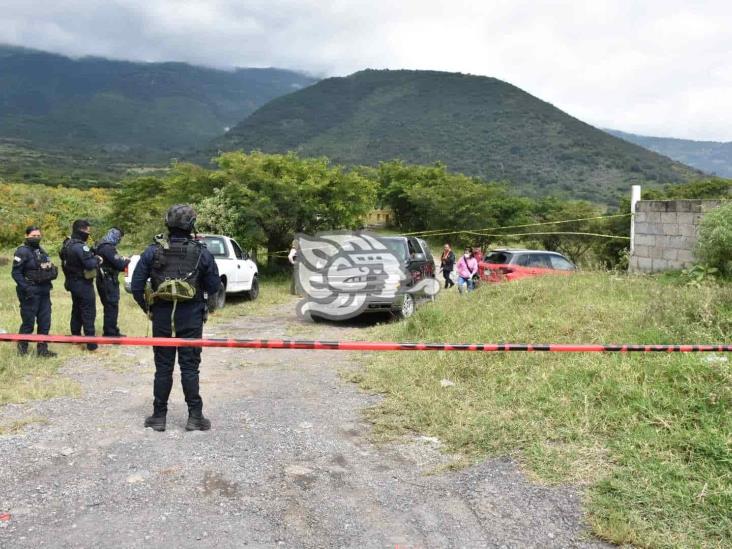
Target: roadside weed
{"points": [[649, 435]]}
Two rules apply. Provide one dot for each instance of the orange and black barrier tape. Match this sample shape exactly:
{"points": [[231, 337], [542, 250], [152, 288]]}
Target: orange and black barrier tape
{"points": [[366, 345]]}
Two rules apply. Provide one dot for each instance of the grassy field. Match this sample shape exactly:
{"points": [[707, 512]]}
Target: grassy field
{"points": [[28, 378], [648, 436], [274, 290]]}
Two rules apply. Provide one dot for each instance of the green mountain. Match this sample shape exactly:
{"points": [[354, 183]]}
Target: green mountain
{"points": [[51, 105], [473, 124], [713, 157]]}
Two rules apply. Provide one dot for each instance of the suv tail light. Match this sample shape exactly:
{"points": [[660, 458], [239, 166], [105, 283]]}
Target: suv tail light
{"points": [[127, 269]]}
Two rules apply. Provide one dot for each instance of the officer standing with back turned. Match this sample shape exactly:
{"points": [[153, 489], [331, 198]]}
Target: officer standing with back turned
{"points": [[80, 268], [180, 270], [33, 272], [108, 279]]}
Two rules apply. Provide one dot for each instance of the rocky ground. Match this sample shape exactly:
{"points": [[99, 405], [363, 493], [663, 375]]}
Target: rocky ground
{"points": [[289, 463]]}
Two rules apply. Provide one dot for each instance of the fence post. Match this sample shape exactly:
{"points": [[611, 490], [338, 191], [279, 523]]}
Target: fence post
{"points": [[635, 196]]}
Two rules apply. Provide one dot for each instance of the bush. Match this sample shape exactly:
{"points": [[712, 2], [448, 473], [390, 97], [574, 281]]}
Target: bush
{"points": [[53, 209], [714, 248]]}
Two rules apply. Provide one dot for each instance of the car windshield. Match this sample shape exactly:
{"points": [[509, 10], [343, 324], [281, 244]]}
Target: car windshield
{"points": [[499, 258], [215, 245], [396, 245]]}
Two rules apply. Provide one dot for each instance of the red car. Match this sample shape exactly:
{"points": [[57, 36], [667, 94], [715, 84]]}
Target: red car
{"points": [[500, 265]]}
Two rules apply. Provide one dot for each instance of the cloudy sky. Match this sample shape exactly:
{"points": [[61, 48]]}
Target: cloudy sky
{"points": [[657, 67]]}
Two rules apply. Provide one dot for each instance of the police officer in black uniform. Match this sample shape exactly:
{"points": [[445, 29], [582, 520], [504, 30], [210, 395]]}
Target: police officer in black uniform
{"points": [[180, 257], [108, 279], [79, 264], [33, 273]]}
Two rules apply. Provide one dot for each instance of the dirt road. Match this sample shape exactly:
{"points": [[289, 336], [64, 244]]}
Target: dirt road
{"points": [[288, 463]]}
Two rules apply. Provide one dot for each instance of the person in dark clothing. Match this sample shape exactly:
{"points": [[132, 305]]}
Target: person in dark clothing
{"points": [[181, 270], [447, 264], [79, 264], [108, 279], [33, 272]]}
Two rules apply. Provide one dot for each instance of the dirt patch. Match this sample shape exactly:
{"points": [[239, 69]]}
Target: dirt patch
{"points": [[288, 462]]}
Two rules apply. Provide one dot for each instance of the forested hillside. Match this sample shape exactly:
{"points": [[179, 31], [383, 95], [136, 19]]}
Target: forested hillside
{"points": [[713, 157], [475, 125], [110, 112]]}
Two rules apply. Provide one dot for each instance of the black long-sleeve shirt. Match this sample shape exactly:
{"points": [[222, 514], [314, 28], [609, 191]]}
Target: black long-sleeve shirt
{"points": [[112, 261]]}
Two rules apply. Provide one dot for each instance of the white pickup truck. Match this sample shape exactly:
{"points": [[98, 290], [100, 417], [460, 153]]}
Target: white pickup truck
{"points": [[237, 271]]}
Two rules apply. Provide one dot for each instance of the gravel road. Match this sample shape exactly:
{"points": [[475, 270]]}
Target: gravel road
{"points": [[288, 463]]}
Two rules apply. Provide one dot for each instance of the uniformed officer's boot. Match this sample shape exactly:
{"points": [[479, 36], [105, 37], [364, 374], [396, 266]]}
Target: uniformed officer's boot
{"points": [[196, 422], [22, 348], [156, 421], [43, 352]]}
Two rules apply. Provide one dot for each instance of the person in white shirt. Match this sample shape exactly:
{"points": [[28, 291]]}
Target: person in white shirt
{"points": [[292, 258]]}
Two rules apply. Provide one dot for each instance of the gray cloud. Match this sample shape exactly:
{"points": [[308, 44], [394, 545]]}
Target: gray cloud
{"points": [[654, 67]]}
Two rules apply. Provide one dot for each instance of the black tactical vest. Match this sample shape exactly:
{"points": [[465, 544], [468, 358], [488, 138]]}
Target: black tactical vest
{"points": [[33, 271], [178, 261], [69, 266]]}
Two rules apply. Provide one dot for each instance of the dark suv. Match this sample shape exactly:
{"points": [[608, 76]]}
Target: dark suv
{"points": [[416, 258], [500, 265]]}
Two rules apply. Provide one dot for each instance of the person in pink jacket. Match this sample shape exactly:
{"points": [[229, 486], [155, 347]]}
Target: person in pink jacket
{"points": [[467, 268]]}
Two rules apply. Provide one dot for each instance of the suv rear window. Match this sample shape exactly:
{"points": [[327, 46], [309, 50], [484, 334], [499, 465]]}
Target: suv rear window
{"points": [[216, 246], [536, 260], [561, 264], [499, 258], [398, 246]]}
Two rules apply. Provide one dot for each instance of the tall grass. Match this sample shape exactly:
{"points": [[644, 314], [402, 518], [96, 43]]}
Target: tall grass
{"points": [[31, 378], [649, 436]]}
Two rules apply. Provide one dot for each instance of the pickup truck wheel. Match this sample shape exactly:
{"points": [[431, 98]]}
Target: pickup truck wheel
{"points": [[218, 300], [253, 293], [407, 308]]}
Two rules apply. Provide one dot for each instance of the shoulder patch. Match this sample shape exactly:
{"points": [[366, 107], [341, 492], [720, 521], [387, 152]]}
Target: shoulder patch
{"points": [[17, 259], [85, 248]]}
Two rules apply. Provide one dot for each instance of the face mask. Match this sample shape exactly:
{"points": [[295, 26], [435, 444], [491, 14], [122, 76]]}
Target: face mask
{"points": [[466, 256], [83, 236], [33, 241]]}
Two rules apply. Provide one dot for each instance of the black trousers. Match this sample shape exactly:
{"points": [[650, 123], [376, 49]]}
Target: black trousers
{"points": [[446, 275], [83, 308], [188, 324], [35, 308], [108, 289]]}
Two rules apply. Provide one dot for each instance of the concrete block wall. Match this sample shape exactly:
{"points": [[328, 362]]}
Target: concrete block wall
{"points": [[666, 233]]}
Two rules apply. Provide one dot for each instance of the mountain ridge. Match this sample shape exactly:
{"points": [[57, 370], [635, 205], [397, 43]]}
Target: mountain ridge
{"points": [[714, 157], [477, 125], [55, 100]]}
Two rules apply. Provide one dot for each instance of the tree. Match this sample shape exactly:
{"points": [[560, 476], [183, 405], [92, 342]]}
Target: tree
{"points": [[573, 246], [267, 199], [429, 198], [714, 248], [706, 188], [139, 208]]}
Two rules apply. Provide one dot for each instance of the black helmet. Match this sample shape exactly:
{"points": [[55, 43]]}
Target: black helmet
{"points": [[180, 216]]}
